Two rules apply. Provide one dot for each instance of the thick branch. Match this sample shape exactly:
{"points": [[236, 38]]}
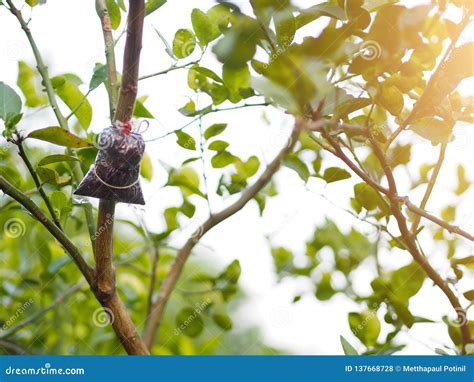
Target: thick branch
{"points": [[120, 319], [131, 60], [104, 249], [154, 319]]}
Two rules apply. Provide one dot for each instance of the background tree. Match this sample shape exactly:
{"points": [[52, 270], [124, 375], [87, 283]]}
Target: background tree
{"points": [[361, 79]]}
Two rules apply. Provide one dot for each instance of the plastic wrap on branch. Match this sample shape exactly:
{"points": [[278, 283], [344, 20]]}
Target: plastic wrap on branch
{"points": [[116, 172]]}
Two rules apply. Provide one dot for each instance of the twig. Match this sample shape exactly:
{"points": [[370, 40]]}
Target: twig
{"points": [[431, 184], [113, 85], [34, 175], [206, 112], [420, 212], [154, 319], [170, 69], [12, 347]]}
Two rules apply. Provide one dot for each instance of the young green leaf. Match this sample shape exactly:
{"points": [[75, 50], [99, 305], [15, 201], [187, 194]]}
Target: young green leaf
{"points": [[185, 140], [10, 105], [27, 83], [215, 130], [74, 99], [153, 5], [206, 31], [59, 137], [347, 347], [184, 43]]}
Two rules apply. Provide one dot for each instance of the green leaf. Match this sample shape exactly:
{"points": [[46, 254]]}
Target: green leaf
{"points": [[215, 130], [218, 146], [56, 159], [205, 30], [324, 289], [184, 43], [140, 110], [27, 83], [298, 165], [10, 105], [463, 183], [98, 77], [237, 81], [407, 281], [222, 159], [74, 99], [285, 26], [187, 179], [146, 167], [347, 347], [367, 197], [59, 137], [114, 13], [283, 259], [223, 321], [390, 98], [433, 129], [365, 326], [153, 5], [335, 174], [469, 295], [185, 140], [232, 272], [48, 175], [190, 322]]}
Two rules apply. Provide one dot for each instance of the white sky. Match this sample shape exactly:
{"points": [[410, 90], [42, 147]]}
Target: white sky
{"points": [[69, 36]]}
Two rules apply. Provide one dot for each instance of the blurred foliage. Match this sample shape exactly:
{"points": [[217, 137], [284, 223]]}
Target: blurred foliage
{"points": [[368, 65]]}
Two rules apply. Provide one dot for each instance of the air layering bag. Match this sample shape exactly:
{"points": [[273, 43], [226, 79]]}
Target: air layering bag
{"points": [[116, 172]]}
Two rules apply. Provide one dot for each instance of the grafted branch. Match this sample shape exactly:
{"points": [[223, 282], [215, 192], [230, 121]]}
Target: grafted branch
{"points": [[157, 311]]}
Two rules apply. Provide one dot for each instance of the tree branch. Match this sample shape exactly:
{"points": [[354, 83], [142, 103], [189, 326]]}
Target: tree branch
{"points": [[119, 317], [109, 43], [410, 242], [431, 184], [154, 319], [104, 269], [43, 71], [131, 61], [34, 175]]}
